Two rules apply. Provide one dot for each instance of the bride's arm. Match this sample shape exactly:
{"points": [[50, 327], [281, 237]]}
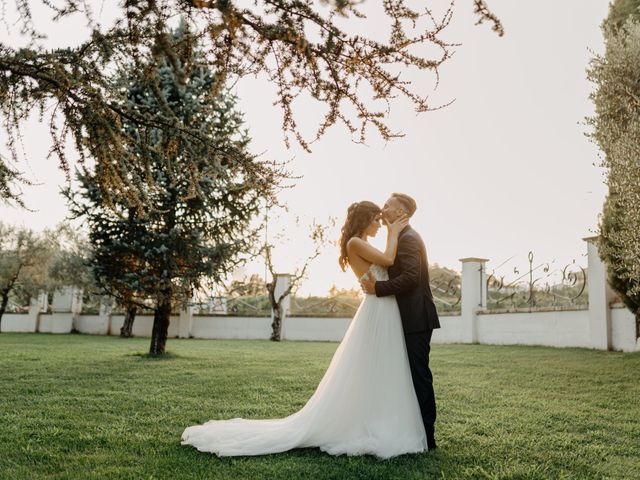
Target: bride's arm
{"points": [[371, 254]]}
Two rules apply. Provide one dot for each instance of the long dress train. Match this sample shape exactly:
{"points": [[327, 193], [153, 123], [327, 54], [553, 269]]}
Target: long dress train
{"points": [[364, 404]]}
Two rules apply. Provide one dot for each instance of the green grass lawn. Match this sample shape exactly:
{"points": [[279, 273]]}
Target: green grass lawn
{"points": [[77, 406]]}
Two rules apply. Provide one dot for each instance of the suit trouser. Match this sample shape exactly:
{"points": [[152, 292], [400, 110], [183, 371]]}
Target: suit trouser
{"points": [[418, 347]]}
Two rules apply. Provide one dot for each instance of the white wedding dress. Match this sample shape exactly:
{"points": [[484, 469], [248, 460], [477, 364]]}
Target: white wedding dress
{"points": [[364, 404]]}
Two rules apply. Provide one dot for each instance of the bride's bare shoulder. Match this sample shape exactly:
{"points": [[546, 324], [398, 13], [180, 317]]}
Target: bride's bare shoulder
{"points": [[355, 243]]}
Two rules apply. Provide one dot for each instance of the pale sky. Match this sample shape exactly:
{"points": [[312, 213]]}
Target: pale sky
{"points": [[503, 170]]}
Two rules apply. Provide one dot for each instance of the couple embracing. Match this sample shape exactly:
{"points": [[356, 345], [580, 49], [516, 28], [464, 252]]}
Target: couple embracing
{"points": [[376, 396]]}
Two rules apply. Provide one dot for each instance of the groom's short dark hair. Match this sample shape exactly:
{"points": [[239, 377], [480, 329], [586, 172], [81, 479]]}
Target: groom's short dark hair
{"points": [[408, 203]]}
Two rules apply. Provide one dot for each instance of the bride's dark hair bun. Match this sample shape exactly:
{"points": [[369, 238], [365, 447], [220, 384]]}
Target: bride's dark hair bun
{"points": [[359, 216]]}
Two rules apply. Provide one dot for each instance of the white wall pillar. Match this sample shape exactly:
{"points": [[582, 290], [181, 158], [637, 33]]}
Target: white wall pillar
{"points": [[76, 301], [35, 307], [283, 281], [104, 314], [64, 309], [185, 323], [67, 299], [42, 302], [62, 300], [600, 296], [473, 296]]}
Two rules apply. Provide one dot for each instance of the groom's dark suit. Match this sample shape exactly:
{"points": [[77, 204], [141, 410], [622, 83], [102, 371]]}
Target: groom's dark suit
{"points": [[409, 282]]}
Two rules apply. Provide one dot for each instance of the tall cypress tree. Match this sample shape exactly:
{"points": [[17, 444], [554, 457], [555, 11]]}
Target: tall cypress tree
{"points": [[183, 238], [616, 129]]}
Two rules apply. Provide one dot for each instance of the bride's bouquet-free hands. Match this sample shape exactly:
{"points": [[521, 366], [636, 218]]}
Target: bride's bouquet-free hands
{"points": [[395, 227], [367, 281]]}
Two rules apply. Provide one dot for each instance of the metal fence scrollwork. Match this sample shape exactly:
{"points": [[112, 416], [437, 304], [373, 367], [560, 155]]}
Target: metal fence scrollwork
{"points": [[447, 294], [339, 306], [539, 286]]}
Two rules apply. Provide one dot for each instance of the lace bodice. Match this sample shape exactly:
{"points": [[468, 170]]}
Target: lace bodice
{"points": [[379, 272]]}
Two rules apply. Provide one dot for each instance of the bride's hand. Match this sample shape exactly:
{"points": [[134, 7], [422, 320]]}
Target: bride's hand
{"points": [[398, 224]]}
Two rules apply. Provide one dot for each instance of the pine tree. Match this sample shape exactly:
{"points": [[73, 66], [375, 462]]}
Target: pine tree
{"points": [[183, 238]]}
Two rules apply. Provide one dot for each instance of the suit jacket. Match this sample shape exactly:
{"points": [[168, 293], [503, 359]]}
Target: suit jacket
{"points": [[409, 282]]}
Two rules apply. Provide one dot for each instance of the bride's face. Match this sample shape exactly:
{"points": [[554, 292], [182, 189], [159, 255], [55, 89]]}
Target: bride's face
{"points": [[373, 227]]}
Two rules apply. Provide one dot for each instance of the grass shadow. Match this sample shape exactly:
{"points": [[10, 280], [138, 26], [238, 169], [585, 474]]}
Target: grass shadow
{"points": [[157, 357]]}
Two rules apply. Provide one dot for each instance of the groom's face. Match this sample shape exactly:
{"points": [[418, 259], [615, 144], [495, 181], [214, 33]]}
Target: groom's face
{"points": [[392, 209]]}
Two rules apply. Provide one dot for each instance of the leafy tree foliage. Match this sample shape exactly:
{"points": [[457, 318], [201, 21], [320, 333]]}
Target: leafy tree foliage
{"points": [[32, 263], [69, 260], [616, 129], [10, 179], [24, 264], [620, 11], [298, 44]]}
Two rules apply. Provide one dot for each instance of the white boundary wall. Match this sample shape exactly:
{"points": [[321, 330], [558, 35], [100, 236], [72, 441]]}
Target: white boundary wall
{"points": [[602, 326], [562, 328], [556, 329]]}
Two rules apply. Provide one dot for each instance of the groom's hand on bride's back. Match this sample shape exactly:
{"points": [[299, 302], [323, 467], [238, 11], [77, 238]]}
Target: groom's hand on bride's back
{"points": [[368, 285]]}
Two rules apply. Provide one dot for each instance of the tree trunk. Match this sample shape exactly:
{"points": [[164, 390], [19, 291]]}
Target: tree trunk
{"points": [[4, 300], [4, 296], [160, 331], [276, 326], [129, 317], [162, 313]]}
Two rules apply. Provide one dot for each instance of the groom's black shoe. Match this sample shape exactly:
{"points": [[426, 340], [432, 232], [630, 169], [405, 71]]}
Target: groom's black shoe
{"points": [[431, 438]]}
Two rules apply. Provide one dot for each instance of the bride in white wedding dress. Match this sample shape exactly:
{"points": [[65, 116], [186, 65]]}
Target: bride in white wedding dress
{"points": [[365, 402]]}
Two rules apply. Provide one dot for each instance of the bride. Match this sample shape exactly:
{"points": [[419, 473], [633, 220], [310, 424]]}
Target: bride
{"points": [[366, 402]]}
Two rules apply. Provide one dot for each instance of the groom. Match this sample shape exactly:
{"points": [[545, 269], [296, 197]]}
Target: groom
{"points": [[409, 282]]}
